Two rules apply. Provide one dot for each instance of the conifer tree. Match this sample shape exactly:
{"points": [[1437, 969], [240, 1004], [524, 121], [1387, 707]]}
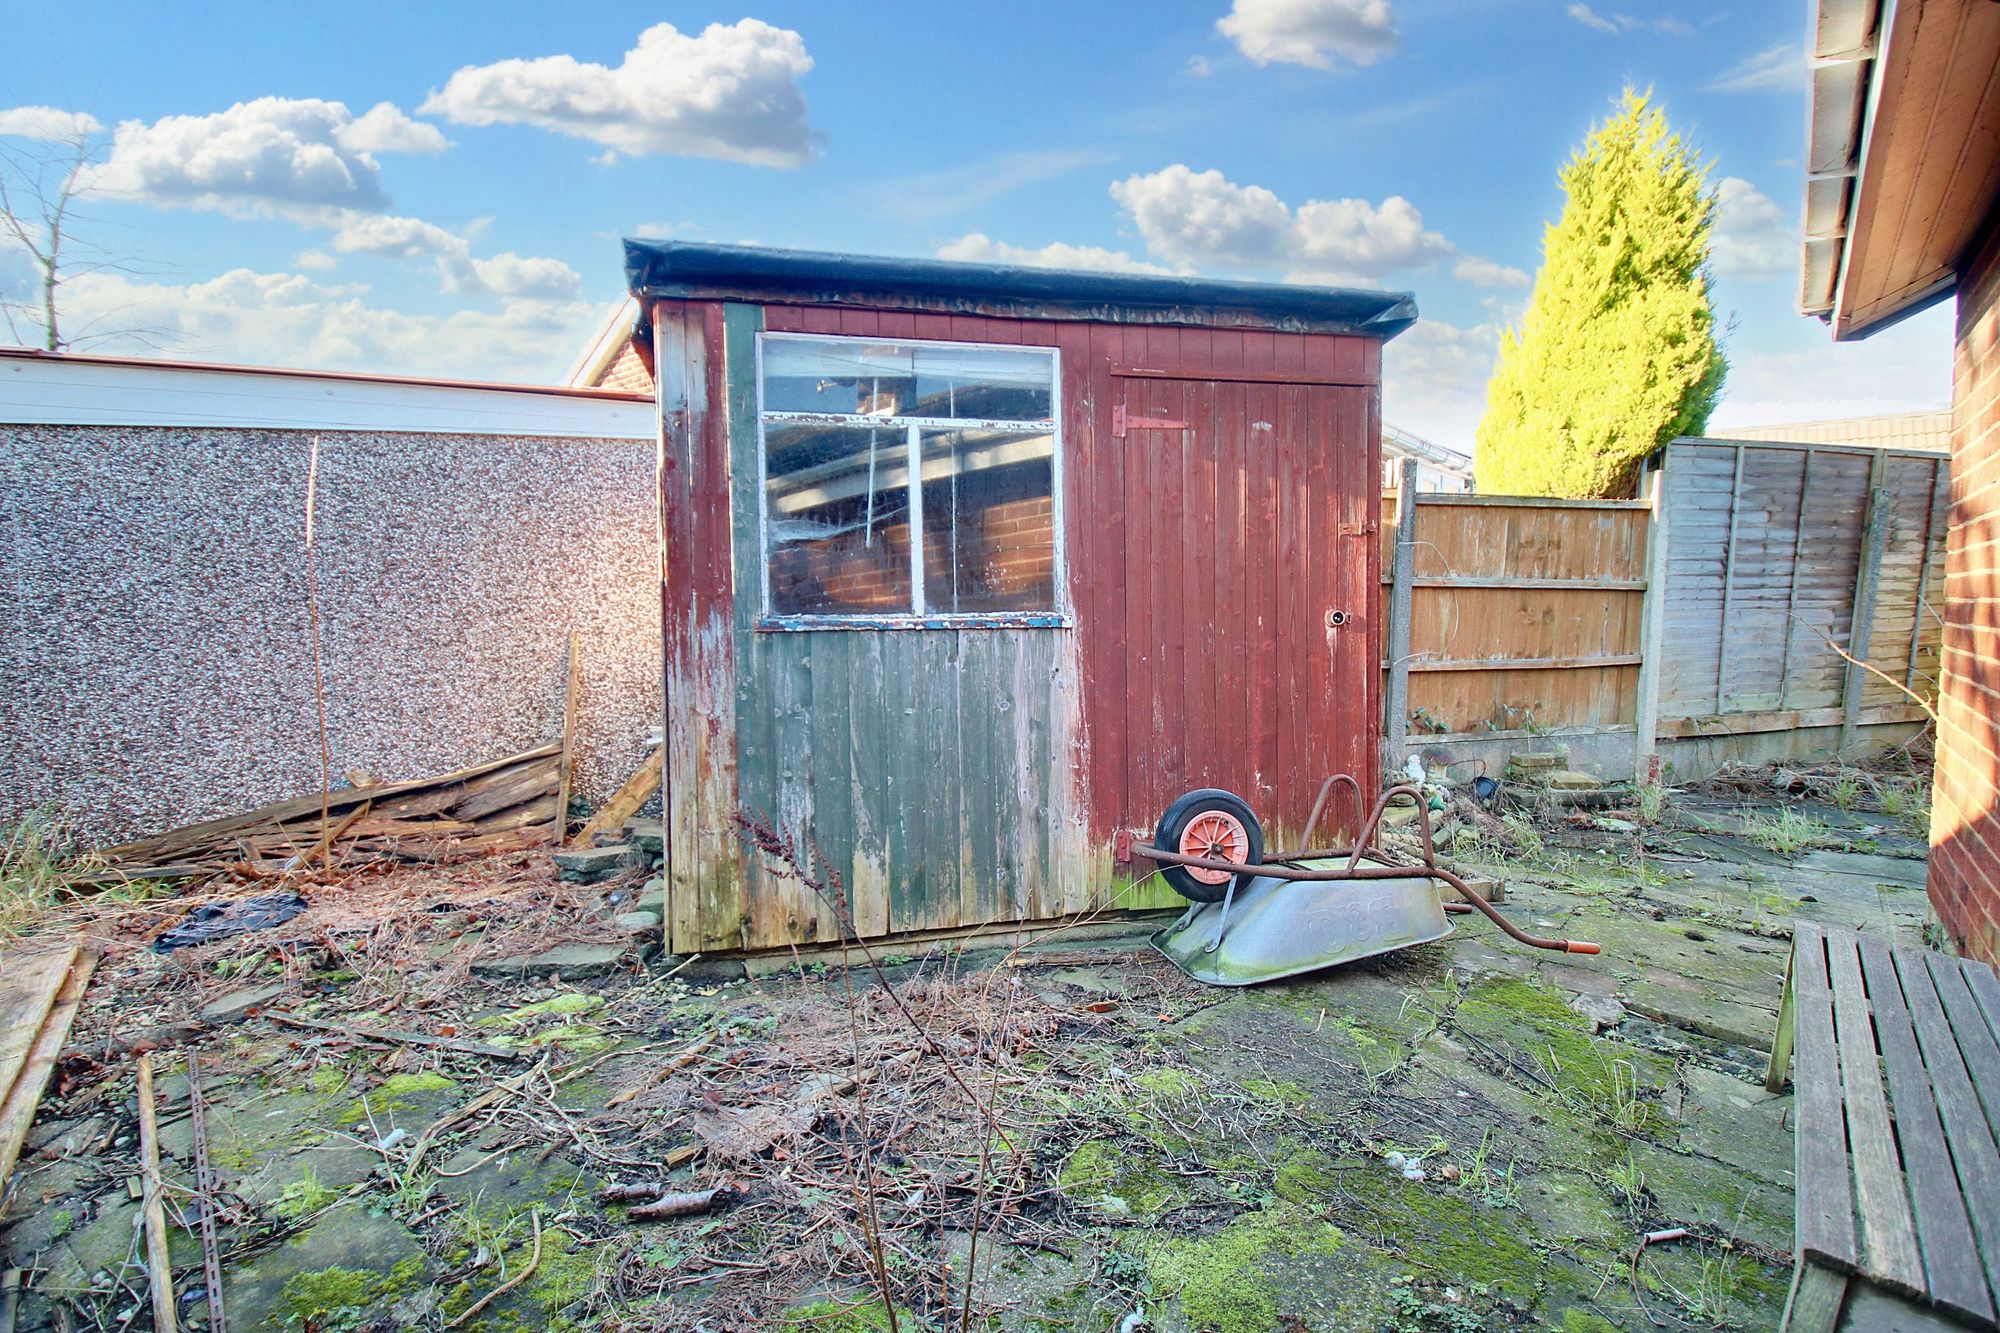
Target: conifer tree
{"points": [[1617, 351]]}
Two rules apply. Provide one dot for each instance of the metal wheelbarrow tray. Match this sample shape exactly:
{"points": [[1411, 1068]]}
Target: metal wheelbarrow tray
{"points": [[1257, 917]]}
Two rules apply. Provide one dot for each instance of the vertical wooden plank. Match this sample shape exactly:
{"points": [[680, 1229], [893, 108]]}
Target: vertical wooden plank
{"points": [[1950, 1259], [1792, 583], [1653, 622], [1292, 661], [1935, 515], [1728, 584], [1260, 516], [1103, 620], [1204, 561], [1816, 1299], [1968, 1131], [878, 858], [1861, 628], [1823, 1185], [1403, 572], [1888, 1234], [159, 1265], [1229, 580], [679, 796]]}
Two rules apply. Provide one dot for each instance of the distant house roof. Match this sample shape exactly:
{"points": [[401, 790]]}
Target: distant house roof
{"points": [[1929, 431], [1901, 167], [754, 273]]}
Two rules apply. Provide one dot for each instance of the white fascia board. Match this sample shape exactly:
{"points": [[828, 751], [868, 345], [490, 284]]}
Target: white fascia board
{"points": [[51, 390]]}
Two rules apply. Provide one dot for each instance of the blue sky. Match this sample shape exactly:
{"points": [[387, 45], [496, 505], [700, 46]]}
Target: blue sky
{"points": [[272, 209]]}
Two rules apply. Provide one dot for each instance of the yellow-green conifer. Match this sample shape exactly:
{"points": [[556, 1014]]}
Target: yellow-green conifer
{"points": [[1617, 351]]}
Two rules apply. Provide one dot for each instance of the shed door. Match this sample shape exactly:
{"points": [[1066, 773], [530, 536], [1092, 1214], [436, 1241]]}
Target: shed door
{"points": [[1248, 513]]}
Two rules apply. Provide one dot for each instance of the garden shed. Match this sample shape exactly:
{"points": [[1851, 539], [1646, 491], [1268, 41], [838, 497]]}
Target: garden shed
{"points": [[968, 570]]}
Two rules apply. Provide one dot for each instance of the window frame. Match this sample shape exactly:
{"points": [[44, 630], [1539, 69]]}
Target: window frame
{"points": [[1057, 616]]}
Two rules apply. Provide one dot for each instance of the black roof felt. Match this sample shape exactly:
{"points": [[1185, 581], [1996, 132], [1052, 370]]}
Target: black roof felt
{"points": [[804, 277]]}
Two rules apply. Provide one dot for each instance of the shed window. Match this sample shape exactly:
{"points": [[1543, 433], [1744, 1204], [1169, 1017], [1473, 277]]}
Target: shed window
{"points": [[906, 479]]}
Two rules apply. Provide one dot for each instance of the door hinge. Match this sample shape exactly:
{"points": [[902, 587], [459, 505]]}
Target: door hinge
{"points": [[1365, 528], [1120, 423]]}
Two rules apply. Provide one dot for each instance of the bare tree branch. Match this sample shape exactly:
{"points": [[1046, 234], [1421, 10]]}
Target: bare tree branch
{"points": [[1928, 705]]}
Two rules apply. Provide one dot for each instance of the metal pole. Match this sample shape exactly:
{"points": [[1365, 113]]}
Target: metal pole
{"points": [[1396, 726]]}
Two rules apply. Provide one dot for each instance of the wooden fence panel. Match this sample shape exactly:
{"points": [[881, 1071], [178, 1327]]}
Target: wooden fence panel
{"points": [[1700, 481]]}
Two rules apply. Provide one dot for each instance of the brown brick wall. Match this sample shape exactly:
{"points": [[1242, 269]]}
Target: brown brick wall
{"points": [[1965, 818]]}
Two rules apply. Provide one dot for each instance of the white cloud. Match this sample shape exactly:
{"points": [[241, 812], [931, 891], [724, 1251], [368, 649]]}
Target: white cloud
{"points": [[286, 319], [1620, 23], [505, 275], [314, 261], [1434, 379], [1200, 67], [979, 248], [1489, 273], [730, 93], [300, 158], [47, 123], [1202, 220], [1775, 69], [384, 128], [1589, 18], [1310, 32], [1752, 239]]}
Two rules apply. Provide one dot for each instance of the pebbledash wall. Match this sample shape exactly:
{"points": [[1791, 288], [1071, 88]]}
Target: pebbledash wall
{"points": [[155, 644], [1965, 817]]}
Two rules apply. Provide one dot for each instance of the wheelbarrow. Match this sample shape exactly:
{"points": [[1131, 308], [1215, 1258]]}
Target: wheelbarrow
{"points": [[1256, 915]]}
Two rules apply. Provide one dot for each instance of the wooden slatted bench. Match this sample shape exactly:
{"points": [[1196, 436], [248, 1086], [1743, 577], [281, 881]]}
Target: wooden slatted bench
{"points": [[1897, 1113]]}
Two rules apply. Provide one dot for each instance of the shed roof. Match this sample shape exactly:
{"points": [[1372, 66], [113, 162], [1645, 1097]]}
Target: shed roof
{"points": [[743, 272]]}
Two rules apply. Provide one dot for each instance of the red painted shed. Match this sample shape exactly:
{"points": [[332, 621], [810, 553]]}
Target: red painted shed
{"points": [[969, 570]]}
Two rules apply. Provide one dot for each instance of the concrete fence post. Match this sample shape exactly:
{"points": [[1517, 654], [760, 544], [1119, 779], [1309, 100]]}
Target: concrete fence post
{"points": [[1860, 630], [1402, 573], [1652, 624]]}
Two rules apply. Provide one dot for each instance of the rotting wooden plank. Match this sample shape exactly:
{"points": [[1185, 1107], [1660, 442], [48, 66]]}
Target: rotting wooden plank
{"points": [[567, 760], [1824, 1187], [1936, 514], [1815, 1301], [625, 802], [1944, 1230], [878, 855], [1861, 627], [1966, 1130], [159, 1267], [1728, 584], [1778, 1069], [1792, 580], [24, 1089], [1976, 1042], [985, 703], [1888, 1236], [32, 985]]}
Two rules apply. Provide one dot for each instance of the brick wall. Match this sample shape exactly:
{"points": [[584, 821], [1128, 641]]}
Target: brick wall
{"points": [[1965, 820]]}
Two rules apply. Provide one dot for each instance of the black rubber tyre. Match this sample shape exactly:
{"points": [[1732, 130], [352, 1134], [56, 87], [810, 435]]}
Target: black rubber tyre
{"points": [[1183, 812]]}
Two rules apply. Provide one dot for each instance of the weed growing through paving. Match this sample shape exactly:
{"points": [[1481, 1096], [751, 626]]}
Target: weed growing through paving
{"points": [[1788, 832]]}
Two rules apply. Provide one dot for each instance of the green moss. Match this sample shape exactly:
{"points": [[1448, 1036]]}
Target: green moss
{"points": [[1605, 1076], [395, 1093], [1167, 1082], [1229, 1282], [565, 1275], [61, 1224], [1306, 1177], [567, 1005], [869, 1316], [1117, 1179], [1446, 1233], [304, 1196], [329, 1297], [327, 1080], [1583, 1321], [1285, 1091]]}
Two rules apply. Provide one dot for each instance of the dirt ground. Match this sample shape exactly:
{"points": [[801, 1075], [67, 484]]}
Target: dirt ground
{"points": [[1461, 1136]]}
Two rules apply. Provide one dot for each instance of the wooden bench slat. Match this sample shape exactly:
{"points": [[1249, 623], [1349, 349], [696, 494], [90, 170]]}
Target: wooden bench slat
{"points": [[1825, 1202], [1966, 1131], [1985, 992], [1944, 1230], [1889, 1254], [1968, 1029]]}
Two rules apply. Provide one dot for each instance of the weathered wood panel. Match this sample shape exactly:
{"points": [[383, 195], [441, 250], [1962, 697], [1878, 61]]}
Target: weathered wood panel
{"points": [[1766, 548]]}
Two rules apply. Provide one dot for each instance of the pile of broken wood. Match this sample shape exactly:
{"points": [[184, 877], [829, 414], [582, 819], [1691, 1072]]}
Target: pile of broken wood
{"points": [[38, 1000], [503, 806]]}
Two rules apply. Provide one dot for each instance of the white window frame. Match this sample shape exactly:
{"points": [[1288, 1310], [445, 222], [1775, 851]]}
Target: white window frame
{"points": [[1057, 616]]}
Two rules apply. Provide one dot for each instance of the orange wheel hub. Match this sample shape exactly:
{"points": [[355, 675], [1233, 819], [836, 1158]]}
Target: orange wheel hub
{"points": [[1218, 836]]}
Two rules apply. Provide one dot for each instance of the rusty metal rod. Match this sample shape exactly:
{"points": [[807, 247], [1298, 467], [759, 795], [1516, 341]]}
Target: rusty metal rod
{"points": [[1325, 790], [1360, 872]]}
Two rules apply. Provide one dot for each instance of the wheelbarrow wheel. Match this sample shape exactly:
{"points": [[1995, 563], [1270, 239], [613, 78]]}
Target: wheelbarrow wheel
{"points": [[1208, 823]]}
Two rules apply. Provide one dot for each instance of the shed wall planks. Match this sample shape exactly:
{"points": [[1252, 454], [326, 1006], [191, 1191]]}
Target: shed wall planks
{"points": [[957, 777]]}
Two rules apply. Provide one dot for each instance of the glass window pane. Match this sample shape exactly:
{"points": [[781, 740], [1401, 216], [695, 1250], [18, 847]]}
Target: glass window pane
{"points": [[989, 521], [837, 519], [907, 379]]}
